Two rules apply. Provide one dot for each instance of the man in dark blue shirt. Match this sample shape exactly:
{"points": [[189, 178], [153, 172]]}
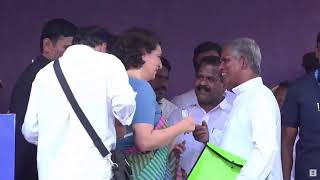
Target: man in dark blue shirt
{"points": [[301, 114], [56, 36]]}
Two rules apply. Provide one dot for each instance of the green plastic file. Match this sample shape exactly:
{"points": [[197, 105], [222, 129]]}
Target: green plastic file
{"points": [[215, 163]]}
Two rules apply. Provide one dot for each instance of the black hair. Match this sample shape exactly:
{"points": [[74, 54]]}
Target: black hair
{"points": [[132, 45], [310, 62], [55, 28], [166, 63], [93, 36], [203, 47], [284, 84], [208, 60]]}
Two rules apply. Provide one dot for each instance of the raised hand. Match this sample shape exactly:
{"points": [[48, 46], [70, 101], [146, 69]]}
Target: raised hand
{"points": [[201, 133]]}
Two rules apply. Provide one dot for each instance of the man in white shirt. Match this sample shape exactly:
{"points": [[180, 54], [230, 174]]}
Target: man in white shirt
{"points": [[253, 130], [100, 85], [160, 86], [210, 113], [202, 50]]}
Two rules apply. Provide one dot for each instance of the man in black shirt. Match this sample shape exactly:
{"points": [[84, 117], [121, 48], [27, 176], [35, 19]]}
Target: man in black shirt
{"points": [[301, 114], [56, 36]]}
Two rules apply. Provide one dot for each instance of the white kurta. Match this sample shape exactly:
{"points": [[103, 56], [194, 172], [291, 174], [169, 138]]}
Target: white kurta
{"points": [[100, 85], [216, 120], [167, 107], [253, 131]]}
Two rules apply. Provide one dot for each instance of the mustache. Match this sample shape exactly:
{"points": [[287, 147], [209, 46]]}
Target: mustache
{"points": [[205, 88]]}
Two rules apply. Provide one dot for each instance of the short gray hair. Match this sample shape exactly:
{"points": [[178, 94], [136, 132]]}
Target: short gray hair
{"points": [[249, 48]]}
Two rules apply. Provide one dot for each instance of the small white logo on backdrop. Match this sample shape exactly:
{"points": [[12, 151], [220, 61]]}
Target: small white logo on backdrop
{"points": [[313, 172]]}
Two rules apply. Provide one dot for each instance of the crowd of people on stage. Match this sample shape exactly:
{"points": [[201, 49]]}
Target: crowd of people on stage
{"points": [[121, 82]]}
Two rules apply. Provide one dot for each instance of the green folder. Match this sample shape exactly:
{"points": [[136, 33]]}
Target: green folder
{"points": [[215, 163]]}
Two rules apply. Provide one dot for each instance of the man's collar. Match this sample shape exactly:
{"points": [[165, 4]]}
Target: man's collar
{"points": [[43, 58], [247, 85], [223, 105]]}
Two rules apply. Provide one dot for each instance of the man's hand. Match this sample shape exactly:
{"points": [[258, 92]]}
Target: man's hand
{"points": [[201, 132], [288, 137], [181, 174], [178, 149]]}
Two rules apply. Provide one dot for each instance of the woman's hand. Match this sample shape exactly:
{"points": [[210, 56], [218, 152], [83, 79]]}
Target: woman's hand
{"points": [[189, 124]]}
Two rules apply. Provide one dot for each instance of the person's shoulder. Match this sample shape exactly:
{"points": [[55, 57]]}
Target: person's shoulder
{"points": [[165, 102], [48, 67], [45, 71], [104, 56], [264, 92], [302, 82], [108, 63], [139, 84], [25, 75], [30, 72], [261, 94], [38, 63], [29, 69]]}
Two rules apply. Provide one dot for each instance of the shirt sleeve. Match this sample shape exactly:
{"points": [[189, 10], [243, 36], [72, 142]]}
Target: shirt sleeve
{"points": [[30, 127], [121, 93], [146, 104], [265, 123], [290, 109]]}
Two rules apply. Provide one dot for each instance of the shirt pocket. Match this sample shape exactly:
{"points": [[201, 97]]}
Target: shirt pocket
{"points": [[215, 136]]}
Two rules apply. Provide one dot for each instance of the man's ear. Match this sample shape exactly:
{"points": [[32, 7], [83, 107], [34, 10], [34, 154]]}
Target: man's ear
{"points": [[105, 47], [47, 45], [244, 62]]}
